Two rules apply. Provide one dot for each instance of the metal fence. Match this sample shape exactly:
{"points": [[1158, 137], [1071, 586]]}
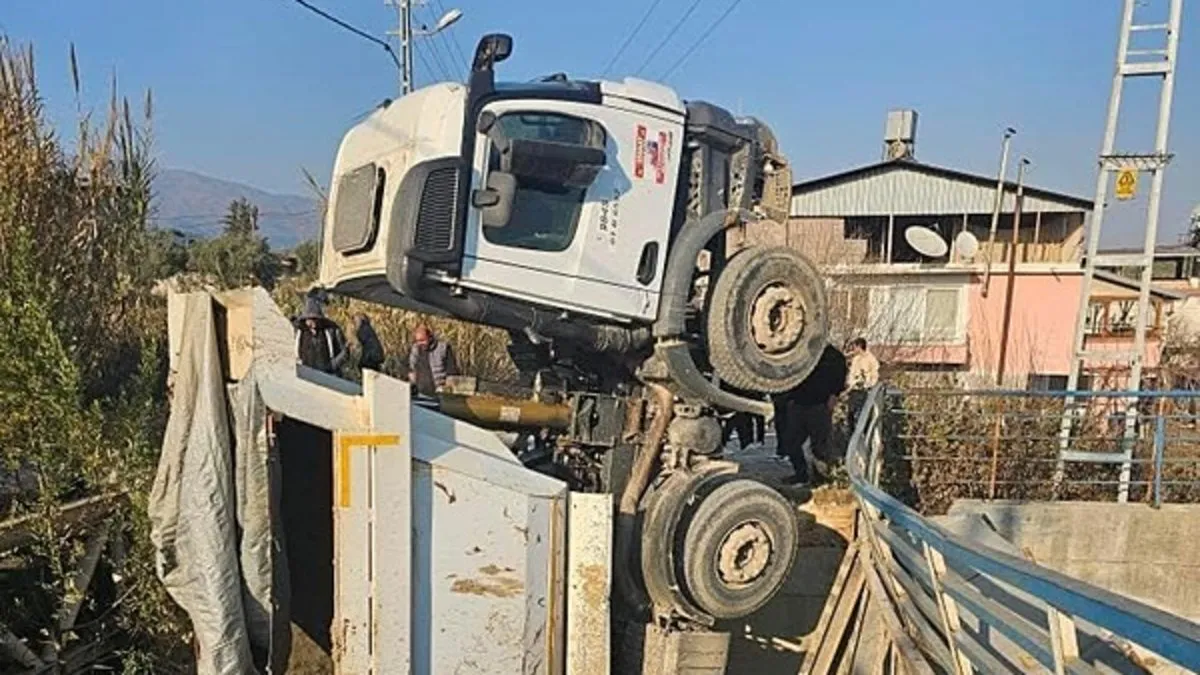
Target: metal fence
{"points": [[1042, 445], [948, 600]]}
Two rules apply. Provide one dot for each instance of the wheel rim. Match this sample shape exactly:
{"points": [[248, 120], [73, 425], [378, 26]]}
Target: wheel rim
{"points": [[744, 554], [777, 319]]}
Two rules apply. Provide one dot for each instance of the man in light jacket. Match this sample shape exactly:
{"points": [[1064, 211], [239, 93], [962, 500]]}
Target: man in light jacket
{"points": [[864, 374], [430, 361]]}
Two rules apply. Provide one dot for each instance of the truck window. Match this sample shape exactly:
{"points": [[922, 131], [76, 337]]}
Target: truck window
{"points": [[545, 215]]}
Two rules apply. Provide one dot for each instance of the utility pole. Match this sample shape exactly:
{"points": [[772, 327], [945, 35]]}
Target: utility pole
{"points": [[987, 273], [1157, 64], [1006, 323], [404, 34]]}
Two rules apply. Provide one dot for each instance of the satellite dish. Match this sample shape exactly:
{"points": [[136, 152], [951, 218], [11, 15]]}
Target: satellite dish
{"points": [[926, 241], [966, 245]]}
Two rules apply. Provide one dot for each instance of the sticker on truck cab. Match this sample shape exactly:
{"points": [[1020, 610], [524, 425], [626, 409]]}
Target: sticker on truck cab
{"points": [[639, 153], [656, 149]]}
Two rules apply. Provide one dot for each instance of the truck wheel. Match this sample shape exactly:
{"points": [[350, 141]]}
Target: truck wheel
{"points": [[767, 320], [739, 548]]}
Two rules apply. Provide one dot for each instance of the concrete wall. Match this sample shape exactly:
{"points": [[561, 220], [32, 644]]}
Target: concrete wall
{"points": [[1152, 555]]}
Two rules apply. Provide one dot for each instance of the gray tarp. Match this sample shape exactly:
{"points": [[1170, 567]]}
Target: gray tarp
{"points": [[220, 553]]}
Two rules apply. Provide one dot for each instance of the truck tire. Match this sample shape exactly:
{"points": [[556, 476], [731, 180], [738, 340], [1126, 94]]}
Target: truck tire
{"points": [[767, 320], [739, 548]]}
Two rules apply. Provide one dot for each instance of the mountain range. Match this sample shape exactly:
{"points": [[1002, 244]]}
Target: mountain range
{"points": [[194, 204]]}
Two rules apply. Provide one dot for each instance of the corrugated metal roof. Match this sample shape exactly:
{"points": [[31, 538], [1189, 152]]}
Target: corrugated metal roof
{"points": [[909, 188]]}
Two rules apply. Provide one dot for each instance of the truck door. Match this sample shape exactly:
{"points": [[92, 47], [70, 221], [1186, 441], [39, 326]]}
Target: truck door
{"points": [[598, 250]]}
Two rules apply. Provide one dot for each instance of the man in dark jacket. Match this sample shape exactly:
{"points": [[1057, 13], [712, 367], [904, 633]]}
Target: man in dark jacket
{"points": [[371, 354], [320, 343], [806, 413]]}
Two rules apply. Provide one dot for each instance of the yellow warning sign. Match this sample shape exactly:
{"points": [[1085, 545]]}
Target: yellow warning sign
{"points": [[1127, 181]]}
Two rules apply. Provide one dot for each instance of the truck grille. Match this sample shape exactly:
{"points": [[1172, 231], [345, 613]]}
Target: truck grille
{"points": [[436, 216]]}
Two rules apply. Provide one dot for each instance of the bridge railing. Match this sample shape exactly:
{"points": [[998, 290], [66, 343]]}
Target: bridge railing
{"points": [[1041, 445], [947, 598]]}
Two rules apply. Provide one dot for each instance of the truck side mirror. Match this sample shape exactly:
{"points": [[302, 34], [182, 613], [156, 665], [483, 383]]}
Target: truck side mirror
{"points": [[492, 49], [496, 200]]}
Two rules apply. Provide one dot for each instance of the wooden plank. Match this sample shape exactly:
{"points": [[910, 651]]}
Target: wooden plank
{"points": [[819, 657], [874, 642], [914, 661], [855, 635], [16, 532]]}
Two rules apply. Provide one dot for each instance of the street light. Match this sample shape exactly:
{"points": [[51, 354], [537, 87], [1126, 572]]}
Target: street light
{"points": [[407, 34], [448, 19]]}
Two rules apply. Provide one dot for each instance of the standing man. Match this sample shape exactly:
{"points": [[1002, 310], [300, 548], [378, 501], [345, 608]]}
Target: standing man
{"points": [[320, 343], [806, 414], [371, 349], [430, 361], [864, 374]]}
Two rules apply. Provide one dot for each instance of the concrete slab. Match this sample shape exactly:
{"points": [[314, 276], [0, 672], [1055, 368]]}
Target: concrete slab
{"points": [[1152, 555]]}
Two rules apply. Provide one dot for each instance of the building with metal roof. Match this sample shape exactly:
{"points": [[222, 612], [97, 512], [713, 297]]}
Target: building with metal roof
{"points": [[874, 205], [961, 312]]}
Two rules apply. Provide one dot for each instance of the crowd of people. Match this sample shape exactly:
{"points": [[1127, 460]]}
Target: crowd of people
{"points": [[321, 345]]}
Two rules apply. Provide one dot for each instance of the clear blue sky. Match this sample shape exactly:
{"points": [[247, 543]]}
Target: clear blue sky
{"points": [[253, 90]]}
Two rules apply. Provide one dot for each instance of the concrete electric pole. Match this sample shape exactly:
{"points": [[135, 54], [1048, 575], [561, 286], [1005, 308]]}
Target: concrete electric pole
{"points": [[406, 34]]}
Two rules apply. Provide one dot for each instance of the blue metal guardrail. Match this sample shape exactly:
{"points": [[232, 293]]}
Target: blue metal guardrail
{"points": [[930, 578]]}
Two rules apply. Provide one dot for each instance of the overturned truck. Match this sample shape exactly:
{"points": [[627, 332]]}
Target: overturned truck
{"points": [[582, 521]]}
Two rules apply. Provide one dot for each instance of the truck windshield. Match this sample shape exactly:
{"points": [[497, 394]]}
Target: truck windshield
{"points": [[545, 215]]}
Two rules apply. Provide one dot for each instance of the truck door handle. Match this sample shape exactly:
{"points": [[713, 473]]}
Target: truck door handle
{"points": [[647, 267]]}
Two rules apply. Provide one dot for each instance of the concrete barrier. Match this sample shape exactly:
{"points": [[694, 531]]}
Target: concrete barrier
{"points": [[1152, 555]]}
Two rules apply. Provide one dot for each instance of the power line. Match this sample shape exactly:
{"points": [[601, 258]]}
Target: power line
{"points": [[453, 39], [437, 59], [629, 39], [360, 33], [701, 39], [674, 29], [447, 73], [419, 50]]}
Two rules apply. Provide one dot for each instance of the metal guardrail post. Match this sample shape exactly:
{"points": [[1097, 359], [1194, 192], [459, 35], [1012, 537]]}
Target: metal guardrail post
{"points": [[1064, 642], [1160, 448], [947, 609]]}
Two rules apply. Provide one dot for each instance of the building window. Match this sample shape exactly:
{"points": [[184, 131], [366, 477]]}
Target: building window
{"points": [[913, 314], [1118, 317], [941, 314], [1047, 382], [1038, 382]]}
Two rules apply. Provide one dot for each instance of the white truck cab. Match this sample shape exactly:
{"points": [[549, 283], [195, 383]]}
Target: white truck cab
{"points": [[570, 212], [593, 245]]}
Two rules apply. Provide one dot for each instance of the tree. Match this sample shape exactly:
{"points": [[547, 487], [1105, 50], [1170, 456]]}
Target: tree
{"points": [[241, 218], [308, 258], [240, 256]]}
